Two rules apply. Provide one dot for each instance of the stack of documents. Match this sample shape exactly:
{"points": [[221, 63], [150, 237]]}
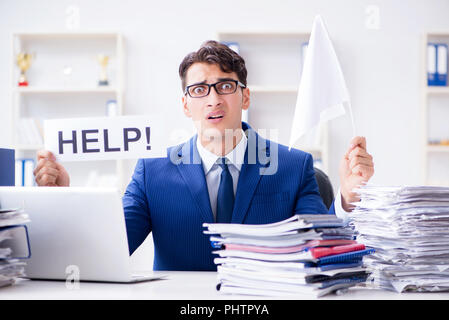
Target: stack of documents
{"points": [[13, 245], [309, 255], [409, 228]]}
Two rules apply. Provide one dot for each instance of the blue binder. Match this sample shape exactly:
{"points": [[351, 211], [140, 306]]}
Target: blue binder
{"points": [[437, 64], [333, 266], [19, 242], [347, 257], [350, 281], [7, 167], [442, 58], [233, 45]]}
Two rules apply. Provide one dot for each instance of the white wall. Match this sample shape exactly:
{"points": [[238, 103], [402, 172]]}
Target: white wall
{"points": [[382, 66]]}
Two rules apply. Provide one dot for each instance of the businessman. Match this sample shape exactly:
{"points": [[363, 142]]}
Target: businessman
{"points": [[225, 173]]}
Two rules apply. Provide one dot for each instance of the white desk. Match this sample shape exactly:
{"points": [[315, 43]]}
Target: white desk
{"points": [[179, 285]]}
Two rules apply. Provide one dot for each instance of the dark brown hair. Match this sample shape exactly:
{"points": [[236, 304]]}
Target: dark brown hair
{"points": [[214, 52]]}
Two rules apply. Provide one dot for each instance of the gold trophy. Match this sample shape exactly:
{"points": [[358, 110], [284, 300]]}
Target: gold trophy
{"points": [[103, 60], [24, 63]]}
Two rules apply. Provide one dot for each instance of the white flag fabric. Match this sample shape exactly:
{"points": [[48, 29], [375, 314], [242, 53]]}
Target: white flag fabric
{"points": [[322, 89]]}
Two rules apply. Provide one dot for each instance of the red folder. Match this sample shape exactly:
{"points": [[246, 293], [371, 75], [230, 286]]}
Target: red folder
{"points": [[299, 248], [323, 252]]}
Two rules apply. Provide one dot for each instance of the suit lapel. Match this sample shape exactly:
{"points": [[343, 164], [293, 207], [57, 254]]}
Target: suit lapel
{"points": [[250, 174], [191, 169]]}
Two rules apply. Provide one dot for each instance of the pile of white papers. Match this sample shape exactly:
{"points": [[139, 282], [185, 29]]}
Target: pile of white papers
{"points": [[12, 231], [409, 228], [305, 255]]}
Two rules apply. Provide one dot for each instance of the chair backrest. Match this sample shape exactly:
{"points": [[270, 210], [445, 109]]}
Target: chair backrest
{"points": [[325, 187]]}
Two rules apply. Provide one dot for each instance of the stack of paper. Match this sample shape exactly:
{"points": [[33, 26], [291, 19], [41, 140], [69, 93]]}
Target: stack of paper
{"points": [[409, 229], [309, 255], [13, 244]]}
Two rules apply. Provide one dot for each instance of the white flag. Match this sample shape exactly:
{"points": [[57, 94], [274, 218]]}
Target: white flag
{"points": [[322, 89]]}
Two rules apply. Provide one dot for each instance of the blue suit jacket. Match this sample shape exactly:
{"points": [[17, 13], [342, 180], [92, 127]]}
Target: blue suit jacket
{"points": [[169, 197]]}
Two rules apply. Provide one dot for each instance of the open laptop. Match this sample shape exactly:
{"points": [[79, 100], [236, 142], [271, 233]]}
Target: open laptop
{"points": [[79, 230]]}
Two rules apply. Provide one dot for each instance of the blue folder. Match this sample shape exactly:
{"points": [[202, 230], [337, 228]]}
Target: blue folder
{"points": [[437, 64], [19, 243], [7, 167], [350, 281], [348, 257], [332, 266]]}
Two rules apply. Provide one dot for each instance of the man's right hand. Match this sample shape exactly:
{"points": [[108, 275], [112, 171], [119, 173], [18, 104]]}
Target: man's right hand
{"points": [[48, 172]]}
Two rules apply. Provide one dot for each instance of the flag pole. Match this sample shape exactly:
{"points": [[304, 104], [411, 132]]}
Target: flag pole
{"points": [[352, 119]]}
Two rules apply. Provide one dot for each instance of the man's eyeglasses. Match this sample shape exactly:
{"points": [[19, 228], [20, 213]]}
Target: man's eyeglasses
{"points": [[221, 87]]}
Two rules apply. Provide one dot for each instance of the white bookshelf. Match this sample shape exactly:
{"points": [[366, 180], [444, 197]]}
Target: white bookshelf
{"points": [[63, 83], [38, 90], [274, 61], [435, 113], [432, 148], [274, 89]]}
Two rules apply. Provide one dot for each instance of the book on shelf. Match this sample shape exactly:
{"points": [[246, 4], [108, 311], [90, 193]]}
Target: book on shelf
{"points": [[24, 176], [30, 132], [304, 47], [233, 45], [437, 64], [7, 172]]}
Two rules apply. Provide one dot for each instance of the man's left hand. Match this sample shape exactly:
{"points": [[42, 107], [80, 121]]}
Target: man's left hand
{"points": [[356, 168]]}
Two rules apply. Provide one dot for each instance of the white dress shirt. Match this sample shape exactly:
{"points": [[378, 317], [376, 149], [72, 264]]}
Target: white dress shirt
{"points": [[212, 170], [235, 159]]}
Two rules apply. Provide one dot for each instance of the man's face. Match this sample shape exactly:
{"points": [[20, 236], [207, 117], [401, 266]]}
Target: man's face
{"points": [[214, 113]]}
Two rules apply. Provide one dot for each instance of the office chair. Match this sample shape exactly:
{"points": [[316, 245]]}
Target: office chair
{"points": [[325, 187]]}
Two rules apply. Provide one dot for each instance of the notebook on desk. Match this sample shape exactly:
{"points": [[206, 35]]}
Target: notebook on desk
{"points": [[79, 230]]}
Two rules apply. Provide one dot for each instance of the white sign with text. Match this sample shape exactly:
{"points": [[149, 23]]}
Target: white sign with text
{"points": [[105, 138]]}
